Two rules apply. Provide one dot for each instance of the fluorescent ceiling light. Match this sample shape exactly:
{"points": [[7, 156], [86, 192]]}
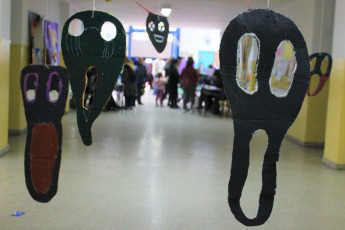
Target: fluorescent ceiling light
{"points": [[166, 11]]}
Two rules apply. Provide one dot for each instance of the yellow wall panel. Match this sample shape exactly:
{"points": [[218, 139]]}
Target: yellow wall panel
{"points": [[62, 63], [19, 59], [335, 129], [298, 129], [310, 125], [4, 92], [317, 110]]}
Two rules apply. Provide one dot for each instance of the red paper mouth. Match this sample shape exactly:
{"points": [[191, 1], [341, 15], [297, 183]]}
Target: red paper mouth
{"points": [[44, 147]]}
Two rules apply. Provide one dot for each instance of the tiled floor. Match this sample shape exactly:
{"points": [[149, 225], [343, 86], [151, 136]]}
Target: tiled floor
{"points": [[157, 168]]}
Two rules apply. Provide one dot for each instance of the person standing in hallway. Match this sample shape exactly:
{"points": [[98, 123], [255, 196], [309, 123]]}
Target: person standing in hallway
{"points": [[189, 81], [158, 66], [141, 78], [166, 70], [174, 78], [129, 80], [148, 72], [160, 83]]}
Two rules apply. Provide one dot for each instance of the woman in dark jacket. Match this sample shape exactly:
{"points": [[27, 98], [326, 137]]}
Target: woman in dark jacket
{"points": [[189, 81], [129, 80], [174, 78]]}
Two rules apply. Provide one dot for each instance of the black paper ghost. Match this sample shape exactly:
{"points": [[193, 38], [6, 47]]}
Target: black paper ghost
{"points": [[94, 60], [261, 109], [319, 58], [157, 28], [44, 91]]}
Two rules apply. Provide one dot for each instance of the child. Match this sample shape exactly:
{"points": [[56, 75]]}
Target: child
{"points": [[160, 83]]}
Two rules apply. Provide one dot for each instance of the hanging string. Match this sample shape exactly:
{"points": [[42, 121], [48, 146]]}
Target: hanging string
{"points": [[45, 29], [159, 4], [268, 4], [148, 11], [248, 5], [94, 8], [321, 29]]}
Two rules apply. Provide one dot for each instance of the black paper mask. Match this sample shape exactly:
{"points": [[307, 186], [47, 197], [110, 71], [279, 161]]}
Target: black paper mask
{"points": [[261, 109], [94, 57], [321, 64], [44, 91], [157, 28]]}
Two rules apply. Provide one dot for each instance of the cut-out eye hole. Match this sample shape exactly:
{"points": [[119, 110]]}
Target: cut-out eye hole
{"points": [[324, 65], [108, 31], [283, 70], [314, 83], [30, 87], [247, 62], [161, 27], [152, 26], [90, 87], [54, 87], [76, 27], [312, 63]]}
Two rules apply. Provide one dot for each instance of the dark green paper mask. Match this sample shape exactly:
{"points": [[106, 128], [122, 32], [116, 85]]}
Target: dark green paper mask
{"points": [[94, 60]]}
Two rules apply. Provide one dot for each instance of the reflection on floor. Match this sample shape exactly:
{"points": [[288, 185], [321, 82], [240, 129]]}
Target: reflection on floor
{"points": [[158, 168]]}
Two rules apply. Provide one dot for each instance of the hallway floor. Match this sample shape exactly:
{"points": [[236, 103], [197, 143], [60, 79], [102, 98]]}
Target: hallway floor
{"points": [[158, 168]]}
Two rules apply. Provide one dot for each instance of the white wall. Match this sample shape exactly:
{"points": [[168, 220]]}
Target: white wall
{"points": [[64, 15], [326, 20], [194, 40], [307, 15], [52, 10], [5, 15], [302, 13], [16, 21], [146, 49], [339, 30]]}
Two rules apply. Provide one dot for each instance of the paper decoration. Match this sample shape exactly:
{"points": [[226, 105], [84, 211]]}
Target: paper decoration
{"points": [[34, 20], [94, 59], [261, 109], [321, 65], [51, 34], [44, 91], [157, 28]]}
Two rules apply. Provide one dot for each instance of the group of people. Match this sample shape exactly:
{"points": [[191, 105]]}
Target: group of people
{"points": [[133, 78], [165, 82], [188, 80]]}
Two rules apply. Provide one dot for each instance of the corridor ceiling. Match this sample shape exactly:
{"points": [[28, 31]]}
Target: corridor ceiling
{"points": [[207, 14]]}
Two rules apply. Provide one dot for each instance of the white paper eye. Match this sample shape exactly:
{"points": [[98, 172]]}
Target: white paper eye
{"points": [[54, 95], [31, 95], [30, 87], [76, 27], [152, 26], [108, 31], [161, 27], [54, 86]]}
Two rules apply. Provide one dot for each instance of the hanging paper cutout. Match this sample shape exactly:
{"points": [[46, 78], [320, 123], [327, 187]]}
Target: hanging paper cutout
{"points": [[51, 35], [321, 65], [94, 50], [260, 109], [34, 22], [157, 28], [44, 91]]}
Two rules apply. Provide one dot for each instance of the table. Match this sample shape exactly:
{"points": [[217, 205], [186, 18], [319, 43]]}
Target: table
{"points": [[211, 91]]}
